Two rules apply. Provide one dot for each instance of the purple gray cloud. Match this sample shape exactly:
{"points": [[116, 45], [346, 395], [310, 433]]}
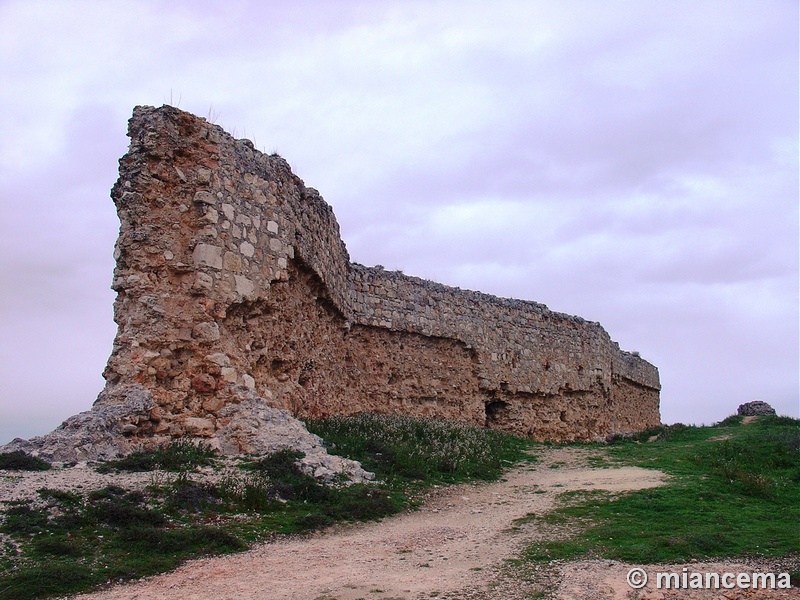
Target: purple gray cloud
{"points": [[635, 163]]}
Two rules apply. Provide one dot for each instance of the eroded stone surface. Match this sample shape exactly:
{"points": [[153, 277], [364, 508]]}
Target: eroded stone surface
{"points": [[755, 408], [236, 294]]}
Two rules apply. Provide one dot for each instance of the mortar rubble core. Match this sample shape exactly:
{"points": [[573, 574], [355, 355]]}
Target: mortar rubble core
{"points": [[233, 280]]}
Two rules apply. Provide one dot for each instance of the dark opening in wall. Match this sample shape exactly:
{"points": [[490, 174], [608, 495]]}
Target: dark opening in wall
{"points": [[496, 413]]}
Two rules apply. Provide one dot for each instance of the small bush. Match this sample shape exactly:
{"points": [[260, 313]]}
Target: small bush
{"points": [[201, 539], [313, 521], [781, 421], [251, 492], [124, 515], [57, 546], [662, 433], [730, 421], [273, 477], [179, 455], [24, 519], [639, 436], [116, 507], [60, 497], [364, 503], [19, 461], [279, 465], [192, 496]]}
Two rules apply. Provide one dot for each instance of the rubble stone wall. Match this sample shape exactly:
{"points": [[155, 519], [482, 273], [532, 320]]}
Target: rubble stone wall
{"points": [[232, 278]]}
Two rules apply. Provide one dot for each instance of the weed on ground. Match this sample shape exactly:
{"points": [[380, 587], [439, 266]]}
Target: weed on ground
{"points": [[734, 492], [400, 448], [66, 542]]}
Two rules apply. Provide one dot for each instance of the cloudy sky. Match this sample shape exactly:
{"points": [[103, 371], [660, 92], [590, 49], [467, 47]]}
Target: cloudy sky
{"points": [[632, 162]]}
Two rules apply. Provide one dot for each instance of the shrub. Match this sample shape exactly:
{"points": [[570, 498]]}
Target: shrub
{"points": [[279, 465], [192, 496], [730, 421], [22, 518], [19, 461], [179, 455], [275, 476], [202, 539], [60, 497], [116, 507], [57, 546]]}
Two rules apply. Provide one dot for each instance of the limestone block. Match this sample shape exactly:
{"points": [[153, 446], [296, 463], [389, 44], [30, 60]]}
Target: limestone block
{"points": [[218, 358], [203, 176], [244, 286], [232, 262], [210, 216], [207, 255], [198, 426], [203, 281], [206, 332], [249, 382], [229, 374], [213, 404], [205, 197], [247, 249]]}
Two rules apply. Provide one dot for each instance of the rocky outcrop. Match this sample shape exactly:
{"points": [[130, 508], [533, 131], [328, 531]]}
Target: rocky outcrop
{"points": [[754, 409], [236, 297]]}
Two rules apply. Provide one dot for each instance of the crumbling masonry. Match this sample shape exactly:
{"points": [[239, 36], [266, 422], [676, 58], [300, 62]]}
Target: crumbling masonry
{"points": [[232, 280]]}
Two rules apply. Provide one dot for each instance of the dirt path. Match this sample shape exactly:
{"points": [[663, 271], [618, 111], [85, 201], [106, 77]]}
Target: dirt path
{"points": [[445, 550]]}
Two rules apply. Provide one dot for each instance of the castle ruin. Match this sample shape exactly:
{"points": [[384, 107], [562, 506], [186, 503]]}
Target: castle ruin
{"points": [[234, 286], [231, 273]]}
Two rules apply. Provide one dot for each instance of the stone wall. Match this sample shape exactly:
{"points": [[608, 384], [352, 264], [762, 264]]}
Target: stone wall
{"points": [[232, 279]]}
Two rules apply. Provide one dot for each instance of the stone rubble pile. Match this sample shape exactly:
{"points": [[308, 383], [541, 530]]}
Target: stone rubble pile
{"points": [[251, 427]]}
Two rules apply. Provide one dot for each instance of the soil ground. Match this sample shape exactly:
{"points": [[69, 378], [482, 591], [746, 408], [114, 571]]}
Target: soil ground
{"points": [[452, 548]]}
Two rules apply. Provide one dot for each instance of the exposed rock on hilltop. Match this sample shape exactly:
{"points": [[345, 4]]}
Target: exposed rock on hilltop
{"points": [[755, 408]]}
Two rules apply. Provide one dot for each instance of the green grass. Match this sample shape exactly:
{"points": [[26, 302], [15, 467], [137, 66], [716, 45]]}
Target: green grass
{"points": [[71, 542], [734, 491], [67, 542]]}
